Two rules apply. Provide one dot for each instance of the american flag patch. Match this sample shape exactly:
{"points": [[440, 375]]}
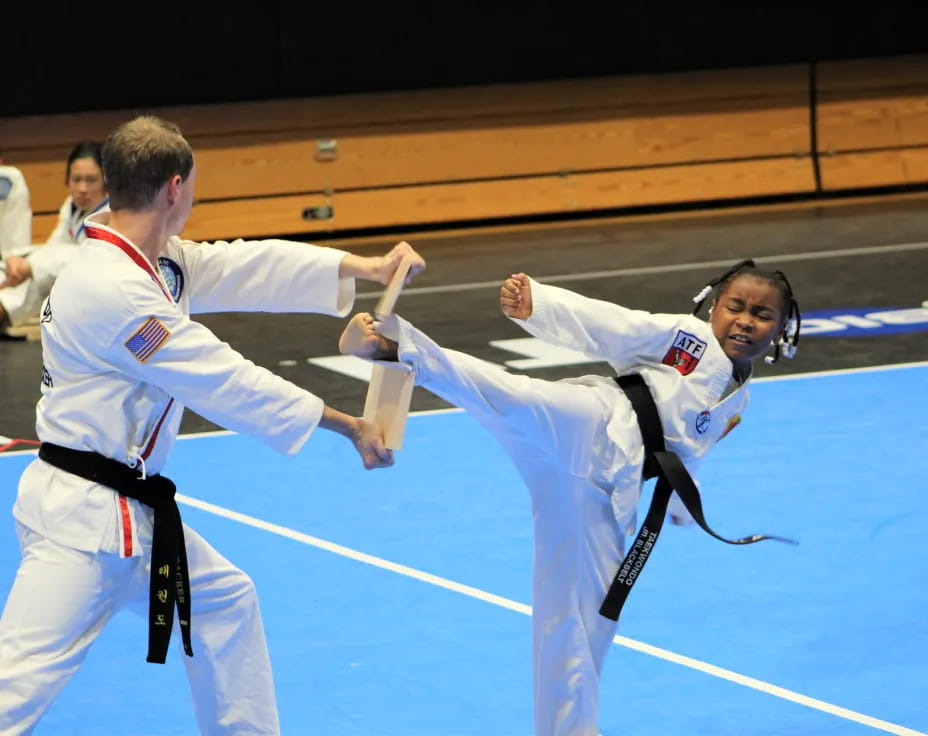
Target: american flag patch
{"points": [[147, 340]]}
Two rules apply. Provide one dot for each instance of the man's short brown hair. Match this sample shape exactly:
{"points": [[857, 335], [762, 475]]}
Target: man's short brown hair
{"points": [[139, 157]]}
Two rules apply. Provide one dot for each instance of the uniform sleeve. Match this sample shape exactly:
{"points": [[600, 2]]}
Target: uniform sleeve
{"points": [[15, 214], [46, 262], [599, 329], [153, 341], [265, 276]]}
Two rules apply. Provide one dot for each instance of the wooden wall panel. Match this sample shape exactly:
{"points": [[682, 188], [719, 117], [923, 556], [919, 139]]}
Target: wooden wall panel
{"points": [[681, 119], [874, 169], [878, 121], [853, 76], [43, 226], [327, 117], [513, 150], [45, 178], [872, 122], [409, 158], [437, 203]]}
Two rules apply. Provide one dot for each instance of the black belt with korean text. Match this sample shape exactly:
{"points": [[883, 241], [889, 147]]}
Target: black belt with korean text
{"points": [[671, 476], [170, 579]]}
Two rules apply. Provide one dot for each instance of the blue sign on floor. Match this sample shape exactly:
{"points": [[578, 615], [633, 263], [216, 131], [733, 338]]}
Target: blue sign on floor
{"points": [[864, 321]]}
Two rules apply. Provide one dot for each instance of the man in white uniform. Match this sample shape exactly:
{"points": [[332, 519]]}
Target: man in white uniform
{"points": [[121, 359], [578, 446]]}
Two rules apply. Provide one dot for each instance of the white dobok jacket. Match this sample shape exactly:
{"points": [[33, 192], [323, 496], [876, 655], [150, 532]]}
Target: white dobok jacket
{"points": [[122, 358], [15, 212], [689, 375]]}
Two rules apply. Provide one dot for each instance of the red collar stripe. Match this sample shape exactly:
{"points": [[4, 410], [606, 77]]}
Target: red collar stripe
{"points": [[100, 234]]}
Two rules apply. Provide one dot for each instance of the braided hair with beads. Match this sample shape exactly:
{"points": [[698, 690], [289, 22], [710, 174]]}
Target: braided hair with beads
{"points": [[788, 341]]}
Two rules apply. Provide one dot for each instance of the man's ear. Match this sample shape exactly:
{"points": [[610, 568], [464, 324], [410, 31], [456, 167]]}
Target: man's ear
{"points": [[173, 188]]}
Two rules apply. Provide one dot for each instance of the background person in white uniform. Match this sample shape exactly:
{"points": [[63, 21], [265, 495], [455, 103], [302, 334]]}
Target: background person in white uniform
{"points": [[30, 274], [121, 359], [15, 211], [577, 443]]}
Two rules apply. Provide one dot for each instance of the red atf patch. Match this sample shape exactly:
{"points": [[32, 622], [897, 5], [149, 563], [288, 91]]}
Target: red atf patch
{"points": [[685, 352]]}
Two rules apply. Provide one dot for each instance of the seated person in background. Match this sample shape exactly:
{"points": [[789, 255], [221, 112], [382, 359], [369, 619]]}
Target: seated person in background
{"points": [[29, 276], [15, 213]]}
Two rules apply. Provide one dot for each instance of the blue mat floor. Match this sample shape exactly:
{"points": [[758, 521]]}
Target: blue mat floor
{"points": [[372, 646]]}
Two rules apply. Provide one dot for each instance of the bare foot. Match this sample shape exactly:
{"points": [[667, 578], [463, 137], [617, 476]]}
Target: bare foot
{"points": [[361, 340]]}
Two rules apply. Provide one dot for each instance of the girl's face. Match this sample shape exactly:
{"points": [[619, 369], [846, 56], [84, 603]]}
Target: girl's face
{"points": [[746, 318], [85, 183]]}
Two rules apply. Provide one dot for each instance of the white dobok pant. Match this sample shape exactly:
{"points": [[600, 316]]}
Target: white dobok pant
{"points": [[554, 432], [62, 598]]}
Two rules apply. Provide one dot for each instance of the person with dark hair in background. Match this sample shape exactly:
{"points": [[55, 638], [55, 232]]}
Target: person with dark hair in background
{"points": [[29, 275]]}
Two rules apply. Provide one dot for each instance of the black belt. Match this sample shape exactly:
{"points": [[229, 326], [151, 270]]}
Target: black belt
{"points": [[672, 476], [170, 580]]}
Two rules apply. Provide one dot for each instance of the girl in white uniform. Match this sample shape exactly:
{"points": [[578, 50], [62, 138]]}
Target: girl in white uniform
{"points": [[577, 443], [29, 275]]}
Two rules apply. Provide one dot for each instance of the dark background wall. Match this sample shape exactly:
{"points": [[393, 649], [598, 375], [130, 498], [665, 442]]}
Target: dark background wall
{"points": [[69, 56]]}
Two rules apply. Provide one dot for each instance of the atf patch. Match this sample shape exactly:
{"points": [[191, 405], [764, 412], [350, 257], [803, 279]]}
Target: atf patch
{"points": [[703, 420], [173, 276], [685, 352], [148, 339]]}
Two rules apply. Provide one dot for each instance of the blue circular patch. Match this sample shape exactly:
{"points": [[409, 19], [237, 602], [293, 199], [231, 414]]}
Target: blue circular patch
{"points": [[703, 420], [173, 277]]}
